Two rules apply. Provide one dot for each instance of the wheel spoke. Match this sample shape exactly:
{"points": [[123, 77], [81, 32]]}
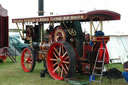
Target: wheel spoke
{"points": [[56, 51], [65, 62], [55, 68], [25, 59], [26, 54], [55, 55], [27, 66], [66, 66], [64, 54], [24, 62], [62, 72], [53, 59], [28, 57], [29, 54], [60, 51], [67, 58], [30, 62], [55, 64], [59, 70], [64, 69]]}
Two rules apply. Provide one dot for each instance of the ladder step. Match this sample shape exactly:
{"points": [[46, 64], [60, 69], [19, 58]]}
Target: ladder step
{"points": [[12, 58], [98, 68], [97, 74], [100, 61]]}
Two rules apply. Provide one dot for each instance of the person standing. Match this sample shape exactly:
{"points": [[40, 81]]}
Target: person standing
{"points": [[125, 73]]}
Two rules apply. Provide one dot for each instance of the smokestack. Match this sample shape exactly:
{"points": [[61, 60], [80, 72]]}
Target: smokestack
{"points": [[40, 7]]}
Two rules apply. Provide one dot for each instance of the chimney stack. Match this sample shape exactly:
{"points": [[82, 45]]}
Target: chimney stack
{"points": [[40, 7]]}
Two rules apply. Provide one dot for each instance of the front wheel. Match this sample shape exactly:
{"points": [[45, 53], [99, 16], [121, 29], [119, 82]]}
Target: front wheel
{"points": [[61, 60], [28, 60]]}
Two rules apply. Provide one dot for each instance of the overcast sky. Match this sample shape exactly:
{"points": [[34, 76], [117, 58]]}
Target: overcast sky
{"points": [[29, 8]]}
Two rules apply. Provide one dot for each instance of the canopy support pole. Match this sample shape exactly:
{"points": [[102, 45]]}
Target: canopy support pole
{"points": [[101, 22], [42, 32], [19, 30], [91, 24], [23, 30]]}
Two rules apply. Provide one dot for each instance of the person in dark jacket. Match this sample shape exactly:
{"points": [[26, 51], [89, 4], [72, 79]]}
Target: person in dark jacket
{"points": [[125, 73]]}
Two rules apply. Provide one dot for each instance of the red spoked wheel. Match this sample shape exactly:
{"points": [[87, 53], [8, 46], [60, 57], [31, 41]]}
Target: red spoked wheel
{"points": [[61, 60], [28, 60], [59, 34]]}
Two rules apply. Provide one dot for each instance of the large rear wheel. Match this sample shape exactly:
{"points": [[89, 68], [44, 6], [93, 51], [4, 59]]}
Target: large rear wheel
{"points": [[28, 60], [61, 60]]}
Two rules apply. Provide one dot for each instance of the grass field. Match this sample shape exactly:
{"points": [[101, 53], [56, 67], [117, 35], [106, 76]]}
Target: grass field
{"points": [[12, 74]]}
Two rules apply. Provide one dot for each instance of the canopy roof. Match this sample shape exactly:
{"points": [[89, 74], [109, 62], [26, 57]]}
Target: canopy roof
{"points": [[95, 15]]}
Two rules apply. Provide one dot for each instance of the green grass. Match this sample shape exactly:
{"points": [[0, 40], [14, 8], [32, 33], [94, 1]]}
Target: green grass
{"points": [[12, 74]]}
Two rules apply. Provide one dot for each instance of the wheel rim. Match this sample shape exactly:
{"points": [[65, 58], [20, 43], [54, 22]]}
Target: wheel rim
{"points": [[58, 61], [26, 60], [59, 34]]}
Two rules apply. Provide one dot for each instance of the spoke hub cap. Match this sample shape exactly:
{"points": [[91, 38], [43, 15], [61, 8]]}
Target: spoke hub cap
{"points": [[59, 60]]}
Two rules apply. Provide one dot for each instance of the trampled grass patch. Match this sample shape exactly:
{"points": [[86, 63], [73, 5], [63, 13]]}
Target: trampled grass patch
{"points": [[12, 74]]}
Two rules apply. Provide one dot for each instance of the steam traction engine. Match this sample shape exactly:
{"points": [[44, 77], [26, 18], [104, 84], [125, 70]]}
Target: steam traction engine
{"points": [[65, 48]]}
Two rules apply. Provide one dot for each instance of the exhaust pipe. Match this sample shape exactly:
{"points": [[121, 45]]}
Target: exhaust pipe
{"points": [[40, 7]]}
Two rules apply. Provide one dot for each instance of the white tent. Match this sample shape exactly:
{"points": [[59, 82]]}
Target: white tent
{"points": [[118, 48]]}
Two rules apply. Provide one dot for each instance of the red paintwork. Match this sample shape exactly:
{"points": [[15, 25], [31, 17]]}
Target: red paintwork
{"points": [[96, 15], [106, 14], [101, 53], [106, 38]]}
